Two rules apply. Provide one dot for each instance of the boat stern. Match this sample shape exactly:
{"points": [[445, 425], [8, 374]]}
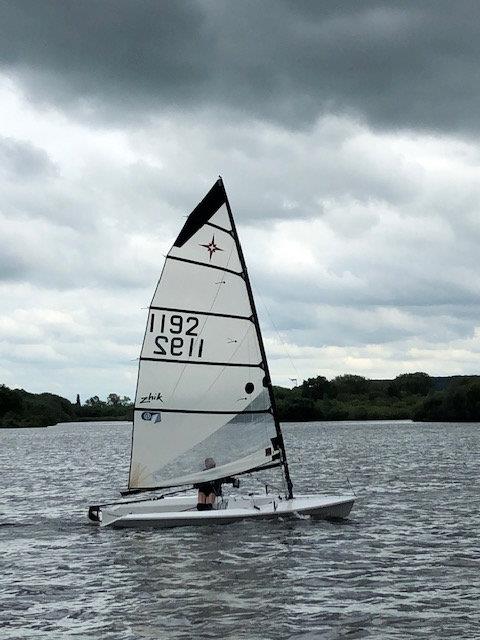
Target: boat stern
{"points": [[95, 514]]}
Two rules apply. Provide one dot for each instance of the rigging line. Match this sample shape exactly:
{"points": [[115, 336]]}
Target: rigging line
{"points": [[266, 427], [267, 484], [282, 341], [249, 344], [161, 497], [351, 487], [220, 373], [345, 472], [218, 289]]}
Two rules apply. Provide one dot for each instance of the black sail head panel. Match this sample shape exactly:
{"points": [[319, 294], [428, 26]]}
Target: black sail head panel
{"points": [[202, 213]]}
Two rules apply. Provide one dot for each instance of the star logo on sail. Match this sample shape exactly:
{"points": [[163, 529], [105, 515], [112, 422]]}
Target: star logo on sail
{"points": [[211, 247]]}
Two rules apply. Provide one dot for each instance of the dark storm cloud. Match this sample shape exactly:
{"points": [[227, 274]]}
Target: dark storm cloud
{"points": [[397, 64]]}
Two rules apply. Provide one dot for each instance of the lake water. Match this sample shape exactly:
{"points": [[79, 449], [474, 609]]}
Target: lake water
{"points": [[405, 565]]}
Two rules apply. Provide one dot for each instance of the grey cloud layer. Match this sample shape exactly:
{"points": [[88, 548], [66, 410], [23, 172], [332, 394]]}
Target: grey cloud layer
{"points": [[398, 64], [363, 242], [22, 159]]}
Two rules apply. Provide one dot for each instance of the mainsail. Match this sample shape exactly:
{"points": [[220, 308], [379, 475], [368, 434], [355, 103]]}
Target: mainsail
{"points": [[204, 388]]}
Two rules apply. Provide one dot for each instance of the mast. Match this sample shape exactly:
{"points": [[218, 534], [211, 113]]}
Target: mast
{"points": [[278, 429]]}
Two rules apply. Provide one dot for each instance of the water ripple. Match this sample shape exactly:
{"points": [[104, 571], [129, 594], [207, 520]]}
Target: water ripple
{"points": [[405, 565]]}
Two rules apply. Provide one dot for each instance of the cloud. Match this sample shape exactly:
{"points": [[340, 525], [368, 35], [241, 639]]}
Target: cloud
{"points": [[408, 65], [18, 158], [459, 357], [342, 215], [37, 251], [356, 200], [83, 341]]}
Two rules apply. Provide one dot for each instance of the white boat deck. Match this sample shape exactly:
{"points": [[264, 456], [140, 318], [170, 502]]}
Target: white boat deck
{"points": [[172, 512]]}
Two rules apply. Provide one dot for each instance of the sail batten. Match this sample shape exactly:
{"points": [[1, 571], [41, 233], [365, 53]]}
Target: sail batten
{"points": [[207, 411], [203, 388], [208, 266], [216, 226], [207, 364], [204, 313]]}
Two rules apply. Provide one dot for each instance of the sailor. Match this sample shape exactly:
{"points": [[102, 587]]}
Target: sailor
{"points": [[209, 491]]}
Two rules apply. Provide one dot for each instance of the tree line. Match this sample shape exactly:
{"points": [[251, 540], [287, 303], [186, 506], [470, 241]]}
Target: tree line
{"points": [[416, 396], [18, 408]]}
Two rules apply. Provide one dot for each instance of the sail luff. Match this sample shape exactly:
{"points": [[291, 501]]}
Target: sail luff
{"points": [[261, 345], [138, 383], [209, 201]]}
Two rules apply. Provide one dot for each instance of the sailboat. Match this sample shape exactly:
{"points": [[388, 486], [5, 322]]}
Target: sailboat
{"points": [[204, 392]]}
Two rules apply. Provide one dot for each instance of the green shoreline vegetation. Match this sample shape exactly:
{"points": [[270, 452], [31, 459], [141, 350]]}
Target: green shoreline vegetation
{"points": [[416, 396]]}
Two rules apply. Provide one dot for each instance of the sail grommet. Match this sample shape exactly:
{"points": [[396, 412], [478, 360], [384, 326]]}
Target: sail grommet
{"points": [[249, 387]]}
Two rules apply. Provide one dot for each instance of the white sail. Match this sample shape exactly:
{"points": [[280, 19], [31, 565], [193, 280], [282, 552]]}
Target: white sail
{"points": [[203, 385]]}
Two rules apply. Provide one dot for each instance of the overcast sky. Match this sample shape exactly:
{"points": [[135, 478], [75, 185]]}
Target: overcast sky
{"points": [[347, 134]]}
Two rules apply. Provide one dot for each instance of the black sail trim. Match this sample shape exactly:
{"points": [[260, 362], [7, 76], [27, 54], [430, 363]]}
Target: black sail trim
{"points": [[204, 264], [220, 413], [203, 313], [212, 364], [217, 226], [202, 213]]}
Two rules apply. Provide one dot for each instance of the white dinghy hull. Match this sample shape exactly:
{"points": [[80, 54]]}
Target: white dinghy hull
{"points": [[204, 393], [178, 512]]}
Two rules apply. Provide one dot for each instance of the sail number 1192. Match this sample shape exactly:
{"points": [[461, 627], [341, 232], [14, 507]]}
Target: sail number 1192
{"points": [[169, 342]]}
